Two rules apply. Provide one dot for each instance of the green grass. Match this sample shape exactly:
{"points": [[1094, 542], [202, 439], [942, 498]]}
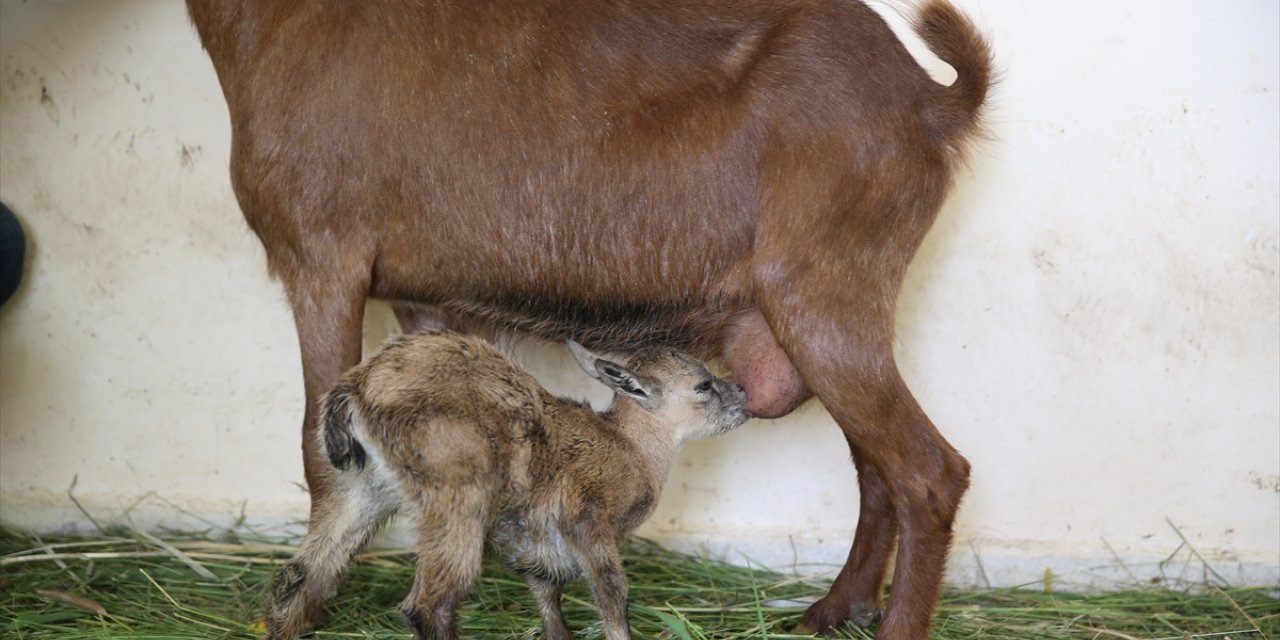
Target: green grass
{"points": [[126, 585]]}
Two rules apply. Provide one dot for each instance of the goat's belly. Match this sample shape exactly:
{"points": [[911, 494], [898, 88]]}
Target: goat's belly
{"points": [[612, 324], [528, 548]]}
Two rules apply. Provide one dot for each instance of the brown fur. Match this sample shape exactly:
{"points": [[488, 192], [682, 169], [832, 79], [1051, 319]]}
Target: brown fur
{"points": [[468, 444], [744, 179]]}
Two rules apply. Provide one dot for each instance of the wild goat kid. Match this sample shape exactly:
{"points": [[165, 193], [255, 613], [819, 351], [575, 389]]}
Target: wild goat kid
{"points": [[447, 428]]}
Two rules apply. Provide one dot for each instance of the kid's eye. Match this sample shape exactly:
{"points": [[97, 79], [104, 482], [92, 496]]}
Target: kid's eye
{"points": [[703, 386]]}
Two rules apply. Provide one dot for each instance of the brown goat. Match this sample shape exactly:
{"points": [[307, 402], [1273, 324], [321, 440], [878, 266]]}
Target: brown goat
{"points": [[468, 444], [741, 179]]}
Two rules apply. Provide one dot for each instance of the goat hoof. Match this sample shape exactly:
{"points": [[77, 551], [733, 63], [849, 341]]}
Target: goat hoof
{"points": [[825, 617], [864, 615]]}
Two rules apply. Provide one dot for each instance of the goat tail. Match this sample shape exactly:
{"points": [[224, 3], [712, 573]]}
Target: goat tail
{"points": [[954, 38], [337, 415]]}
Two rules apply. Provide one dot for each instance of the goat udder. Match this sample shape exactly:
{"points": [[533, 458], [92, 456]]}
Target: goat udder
{"points": [[773, 385]]}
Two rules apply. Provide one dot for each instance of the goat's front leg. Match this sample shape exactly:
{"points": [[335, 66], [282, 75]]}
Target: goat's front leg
{"points": [[597, 553], [547, 593], [327, 297]]}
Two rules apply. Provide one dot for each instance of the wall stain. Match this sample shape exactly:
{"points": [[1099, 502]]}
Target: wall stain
{"points": [[190, 153], [1264, 252], [1264, 483], [50, 107], [1044, 261]]}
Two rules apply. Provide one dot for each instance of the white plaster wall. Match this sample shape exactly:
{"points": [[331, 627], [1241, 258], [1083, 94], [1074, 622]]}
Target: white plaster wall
{"points": [[1094, 322]]}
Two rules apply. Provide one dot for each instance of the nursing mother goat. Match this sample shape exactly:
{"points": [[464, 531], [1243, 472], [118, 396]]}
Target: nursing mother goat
{"points": [[744, 180]]}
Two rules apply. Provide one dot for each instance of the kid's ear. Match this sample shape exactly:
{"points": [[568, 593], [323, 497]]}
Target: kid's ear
{"points": [[622, 381], [585, 358], [614, 375]]}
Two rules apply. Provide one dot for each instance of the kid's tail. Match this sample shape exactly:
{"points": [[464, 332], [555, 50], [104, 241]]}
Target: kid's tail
{"points": [[339, 442]]}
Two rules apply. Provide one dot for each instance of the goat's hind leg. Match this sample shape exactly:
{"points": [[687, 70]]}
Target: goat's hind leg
{"points": [[855, 595], [832, 249], [451, 538], [342, 522], [911, 477]]}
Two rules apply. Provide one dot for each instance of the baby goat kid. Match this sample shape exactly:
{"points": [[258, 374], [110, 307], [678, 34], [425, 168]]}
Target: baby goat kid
{"points": [[446, 429]]}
